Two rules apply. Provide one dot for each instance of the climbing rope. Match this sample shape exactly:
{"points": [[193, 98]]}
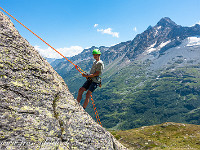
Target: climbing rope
{"points": [[96, 113], [76, 66]]}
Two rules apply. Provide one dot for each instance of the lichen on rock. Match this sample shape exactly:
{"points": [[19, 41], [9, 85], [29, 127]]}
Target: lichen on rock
{"points": [[37, 109]]}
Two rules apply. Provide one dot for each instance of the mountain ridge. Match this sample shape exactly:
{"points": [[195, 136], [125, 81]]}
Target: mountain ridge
{"points": [[151, 34]]}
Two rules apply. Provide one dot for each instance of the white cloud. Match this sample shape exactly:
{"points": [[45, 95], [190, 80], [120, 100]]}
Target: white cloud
{"points": [[109, 31], [95, 25], [66, 51], [87, 47], [135, 29]]}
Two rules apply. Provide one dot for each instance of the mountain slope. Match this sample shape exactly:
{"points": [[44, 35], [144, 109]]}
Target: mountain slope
{"points": [[165, 136], [157, 70], [37, 109]]}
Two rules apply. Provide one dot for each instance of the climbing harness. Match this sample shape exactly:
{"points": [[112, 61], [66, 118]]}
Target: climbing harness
{"points": [[76, 66]]}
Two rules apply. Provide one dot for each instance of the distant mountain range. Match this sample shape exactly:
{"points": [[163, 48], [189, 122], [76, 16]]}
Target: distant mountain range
{"points": [[149, 80]]}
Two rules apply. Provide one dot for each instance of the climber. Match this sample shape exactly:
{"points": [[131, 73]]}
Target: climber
{"points": [[93, 79]]}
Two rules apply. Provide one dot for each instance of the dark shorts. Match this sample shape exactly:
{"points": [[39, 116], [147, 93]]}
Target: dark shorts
{"points": [[89, 85]]}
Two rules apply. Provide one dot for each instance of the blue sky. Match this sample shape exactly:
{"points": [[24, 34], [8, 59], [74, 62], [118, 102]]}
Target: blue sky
{"points": [[72, 25]]}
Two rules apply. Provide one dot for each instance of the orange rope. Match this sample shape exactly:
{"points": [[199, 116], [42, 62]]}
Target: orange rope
{"points": [[96, 113], [77, 67]]}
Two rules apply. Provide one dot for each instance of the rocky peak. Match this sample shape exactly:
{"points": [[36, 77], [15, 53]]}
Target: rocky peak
{"points": [[166, 22], [149, 27], [164, 35], [37, 109]]}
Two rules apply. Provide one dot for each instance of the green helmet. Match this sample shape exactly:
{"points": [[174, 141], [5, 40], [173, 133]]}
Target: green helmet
{"points": [[96, 51]]}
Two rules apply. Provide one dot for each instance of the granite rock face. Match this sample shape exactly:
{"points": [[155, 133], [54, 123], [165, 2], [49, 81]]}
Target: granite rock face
{"points": [[37, 110]]}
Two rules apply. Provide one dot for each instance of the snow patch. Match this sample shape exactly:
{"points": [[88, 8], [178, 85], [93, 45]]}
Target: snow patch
{"points": [[156, 33], [163, 44], [192, 41], [159, 27], [151, 48]]}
